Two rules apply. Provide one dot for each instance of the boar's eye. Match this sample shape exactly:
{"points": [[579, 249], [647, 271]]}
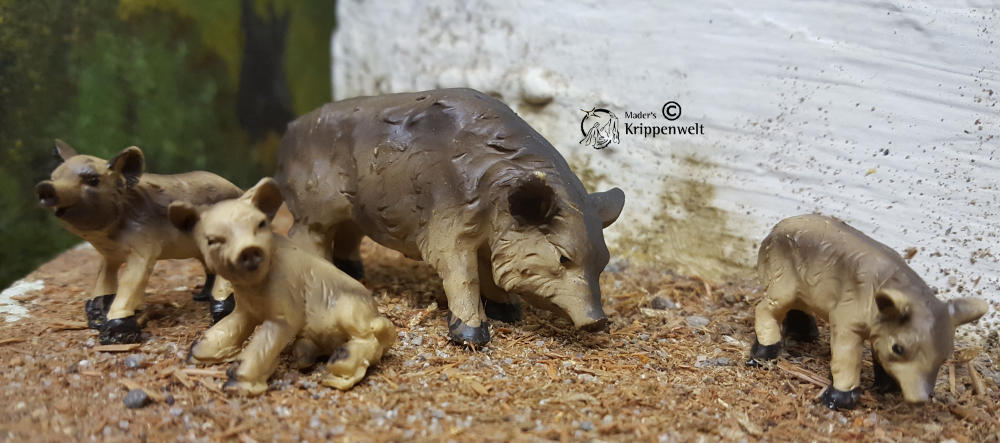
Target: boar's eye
{"points": [[898, 350], [90, 179], [564, 259], [212, 241]]}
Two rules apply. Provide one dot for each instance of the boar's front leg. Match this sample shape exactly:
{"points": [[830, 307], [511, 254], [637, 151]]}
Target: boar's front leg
{"points": [[104, 293], [845, 364], [459, 273], [497, 304], [260, 357], [122, 325]]}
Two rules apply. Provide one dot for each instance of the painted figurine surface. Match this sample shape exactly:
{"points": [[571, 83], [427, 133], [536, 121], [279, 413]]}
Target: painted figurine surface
{"points": [[284, 295], [455, 178], [818, 265], [122, 212]]}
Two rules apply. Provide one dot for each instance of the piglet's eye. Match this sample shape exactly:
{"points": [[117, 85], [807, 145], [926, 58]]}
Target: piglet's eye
{"points": [[212, 241], [898, 350], [564, 259], [262, 224]]}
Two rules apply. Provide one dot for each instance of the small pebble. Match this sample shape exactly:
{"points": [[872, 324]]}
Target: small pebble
{"points": [[136, 398], [417, 341], [662, 303], [133, 361], [587, 425], [709, 362], [176, 412], [696, 321]]}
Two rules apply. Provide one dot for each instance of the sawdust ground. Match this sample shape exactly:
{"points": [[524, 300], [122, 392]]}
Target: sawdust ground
{"points": [[658, 375]]}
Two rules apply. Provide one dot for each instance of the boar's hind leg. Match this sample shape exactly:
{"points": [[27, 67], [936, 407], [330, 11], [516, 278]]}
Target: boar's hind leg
{"points": [[347, 250]]}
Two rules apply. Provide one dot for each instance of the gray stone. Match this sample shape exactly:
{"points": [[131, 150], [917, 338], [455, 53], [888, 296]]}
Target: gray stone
{"points": [[136, 398]]}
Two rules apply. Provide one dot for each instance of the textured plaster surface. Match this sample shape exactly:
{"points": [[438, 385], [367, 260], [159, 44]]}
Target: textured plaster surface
{"points": [[883, 114]]}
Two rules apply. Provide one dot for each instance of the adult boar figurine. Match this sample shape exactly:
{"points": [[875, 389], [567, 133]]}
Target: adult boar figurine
{"points": [[819, 265], [123, 214], [455, 178], [284, 295]]}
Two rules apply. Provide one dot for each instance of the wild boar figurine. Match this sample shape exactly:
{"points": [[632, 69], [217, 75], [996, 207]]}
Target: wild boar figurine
{"points": [[122, 212], [820, 266], [455, 178], [284, 295]]}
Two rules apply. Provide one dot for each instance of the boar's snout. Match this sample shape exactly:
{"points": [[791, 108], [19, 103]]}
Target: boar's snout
{"points": [[251, 258], [47, 195]]}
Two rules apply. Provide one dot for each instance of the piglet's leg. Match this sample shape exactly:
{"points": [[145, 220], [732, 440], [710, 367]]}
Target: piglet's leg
{"points": [[846, 347], [369, 341], [122, 325], [104, 293], [260, 357], [223, 341]]}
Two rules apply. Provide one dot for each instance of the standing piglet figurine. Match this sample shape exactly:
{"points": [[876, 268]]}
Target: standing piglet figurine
{"points": [[453, 177], [123, 213], [283, 294], [865, 290]]}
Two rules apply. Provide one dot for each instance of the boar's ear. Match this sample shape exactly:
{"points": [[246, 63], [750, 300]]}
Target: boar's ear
{"points": [[265, 195], [183, 215], [129, 163], [609, 205], [964, 310], [892, 305], [532, 202], [62, 150]]}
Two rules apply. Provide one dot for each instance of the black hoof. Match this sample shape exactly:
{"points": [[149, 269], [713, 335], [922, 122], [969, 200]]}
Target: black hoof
{"points": [[463, 334], [354, 268], [206, 289], [760, 353], [800, 326], [505, 312], [884, 383], [121, 331], [97, 310], [221, 308], [189, 358], [834, 399]]}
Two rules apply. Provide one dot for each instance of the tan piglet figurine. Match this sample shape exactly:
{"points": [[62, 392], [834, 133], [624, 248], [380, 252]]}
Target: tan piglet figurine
{"points": [[866, 291], [284, 296], [122, 212]]}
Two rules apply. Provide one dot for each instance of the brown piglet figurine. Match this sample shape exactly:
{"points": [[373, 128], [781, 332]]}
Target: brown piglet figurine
{"points": [[284, 295], [811, 264], [122, 212]]}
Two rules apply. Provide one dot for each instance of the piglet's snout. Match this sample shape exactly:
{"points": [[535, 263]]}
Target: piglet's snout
{"points": [[250, 258], [47, 195]]}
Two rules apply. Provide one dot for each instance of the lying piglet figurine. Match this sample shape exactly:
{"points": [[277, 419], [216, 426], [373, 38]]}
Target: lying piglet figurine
{"points": [[823, 266], [123, 213], [453, 177], [283, 294]]}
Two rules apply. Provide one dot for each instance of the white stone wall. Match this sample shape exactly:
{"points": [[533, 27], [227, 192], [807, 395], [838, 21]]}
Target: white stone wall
{"points": [[882, 113]]}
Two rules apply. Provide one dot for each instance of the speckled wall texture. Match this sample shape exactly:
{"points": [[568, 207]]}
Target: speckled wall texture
{"points": [[883, 114]]}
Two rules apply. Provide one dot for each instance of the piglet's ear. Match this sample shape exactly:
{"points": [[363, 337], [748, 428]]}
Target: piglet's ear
{"points": [[62, 150], [532, 202], [609, 205], [965, 310], [892, 305], [183, 215], [130, 164], [266, 196]]}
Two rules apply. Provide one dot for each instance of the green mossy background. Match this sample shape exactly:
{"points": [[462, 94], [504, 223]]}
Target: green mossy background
{"points": [[164, 75]]}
